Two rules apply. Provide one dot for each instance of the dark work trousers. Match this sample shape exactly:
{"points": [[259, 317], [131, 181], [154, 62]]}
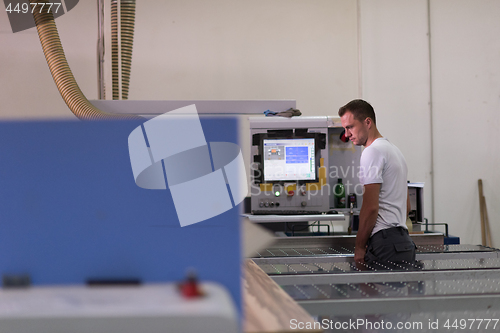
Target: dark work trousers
{"points": [[390, 249]]}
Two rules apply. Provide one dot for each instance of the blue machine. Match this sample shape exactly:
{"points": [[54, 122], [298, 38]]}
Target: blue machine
{"points": [[70, 210]]}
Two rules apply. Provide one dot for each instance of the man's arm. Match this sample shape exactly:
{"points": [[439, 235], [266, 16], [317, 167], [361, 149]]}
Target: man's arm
{"points": [[367, 219]]}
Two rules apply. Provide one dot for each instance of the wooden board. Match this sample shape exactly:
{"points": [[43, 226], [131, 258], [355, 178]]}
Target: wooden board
{"points": [[485, 225], [267, 308]]}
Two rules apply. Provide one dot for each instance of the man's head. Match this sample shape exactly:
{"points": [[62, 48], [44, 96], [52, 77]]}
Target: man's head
{"points": [[358, 119]]}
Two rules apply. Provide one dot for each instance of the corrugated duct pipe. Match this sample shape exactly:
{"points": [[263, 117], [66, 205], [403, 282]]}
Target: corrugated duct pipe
{"points": [[59, 68], [115, 78], [124, 35]]}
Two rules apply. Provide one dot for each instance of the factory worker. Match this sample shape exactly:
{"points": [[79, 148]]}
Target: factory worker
{"points": [[382, 234]]}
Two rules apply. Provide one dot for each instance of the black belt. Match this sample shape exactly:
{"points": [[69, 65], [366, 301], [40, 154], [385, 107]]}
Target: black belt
{"points": [[394, 230]]}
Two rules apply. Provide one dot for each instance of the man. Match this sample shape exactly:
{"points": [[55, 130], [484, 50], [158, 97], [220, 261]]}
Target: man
{"points": [[382, 234]]}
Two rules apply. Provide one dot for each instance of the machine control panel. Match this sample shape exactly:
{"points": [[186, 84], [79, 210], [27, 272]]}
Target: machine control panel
{"points": [[289, 167]]}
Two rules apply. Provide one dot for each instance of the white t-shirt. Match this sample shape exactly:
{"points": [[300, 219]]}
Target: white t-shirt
{"points": [[383, 163]]}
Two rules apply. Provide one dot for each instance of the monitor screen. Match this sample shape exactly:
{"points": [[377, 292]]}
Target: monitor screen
{"points": [[289, 159]]}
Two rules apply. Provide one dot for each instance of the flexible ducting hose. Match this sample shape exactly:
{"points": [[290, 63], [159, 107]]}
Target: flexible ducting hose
{"points": [[126, 22], [59, 68], [114, 50], [127, 9]]}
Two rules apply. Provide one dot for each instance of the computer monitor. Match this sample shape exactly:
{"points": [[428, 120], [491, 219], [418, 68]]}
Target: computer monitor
{"points": [[289, 159]]}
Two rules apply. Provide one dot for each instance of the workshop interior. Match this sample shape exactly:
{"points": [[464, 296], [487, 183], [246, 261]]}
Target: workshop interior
{"points": [[181, 166]]}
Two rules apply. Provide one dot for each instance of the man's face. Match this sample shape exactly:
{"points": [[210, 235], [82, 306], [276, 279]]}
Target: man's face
{"points": [[355, 130]]}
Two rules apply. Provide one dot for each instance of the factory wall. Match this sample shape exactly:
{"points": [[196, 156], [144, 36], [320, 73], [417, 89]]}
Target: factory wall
{"points": [[437, 101], [466, 116]]}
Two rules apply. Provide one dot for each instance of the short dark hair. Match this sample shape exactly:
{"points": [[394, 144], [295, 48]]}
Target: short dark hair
{"points": [[360, 109]]}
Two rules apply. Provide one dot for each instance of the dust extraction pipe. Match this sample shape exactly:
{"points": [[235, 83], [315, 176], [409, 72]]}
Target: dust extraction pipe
{"points": [[59, 68], [122, 37], [115, 79]]}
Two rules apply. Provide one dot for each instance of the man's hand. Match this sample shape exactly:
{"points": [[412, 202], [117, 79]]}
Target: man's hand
{"points": [[359, 258], [359, 254]]}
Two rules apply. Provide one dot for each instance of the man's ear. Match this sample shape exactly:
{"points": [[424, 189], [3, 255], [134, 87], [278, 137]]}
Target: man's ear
{"points": [[368, 122]]}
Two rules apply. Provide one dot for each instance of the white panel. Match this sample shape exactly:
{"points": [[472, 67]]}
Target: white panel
{"points": [[395, 68], [210, 107], [466, 88], [151, 308]]}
